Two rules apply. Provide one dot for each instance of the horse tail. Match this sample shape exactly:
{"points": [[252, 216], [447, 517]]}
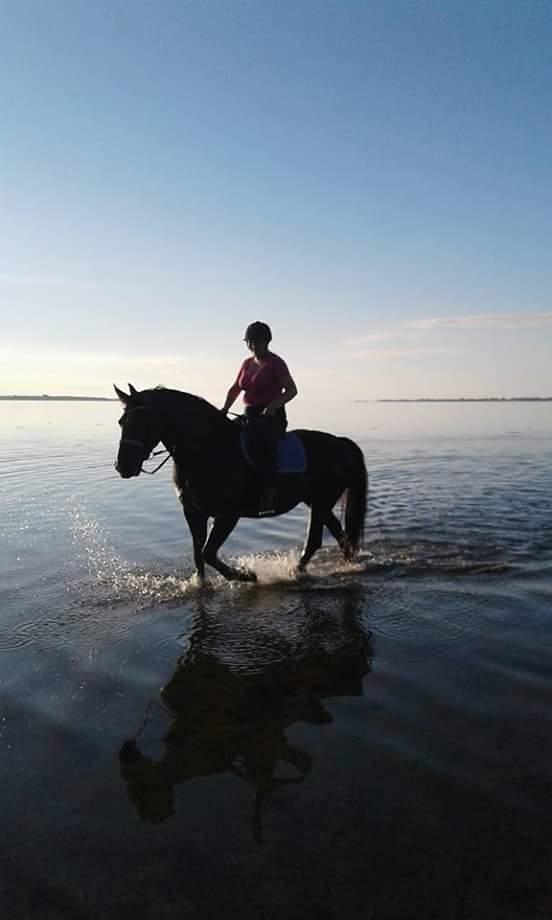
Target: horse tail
{"points": [[355, 499]]}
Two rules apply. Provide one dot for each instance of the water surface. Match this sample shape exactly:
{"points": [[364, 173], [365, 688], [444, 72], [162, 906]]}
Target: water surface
{"points": [[372, 740]]}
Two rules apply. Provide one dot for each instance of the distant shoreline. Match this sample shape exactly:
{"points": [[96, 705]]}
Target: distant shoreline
{"points": [[46, 398], [464, 399]]}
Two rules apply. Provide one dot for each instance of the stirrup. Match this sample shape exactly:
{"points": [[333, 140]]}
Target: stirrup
{"points": [[267, 502]]}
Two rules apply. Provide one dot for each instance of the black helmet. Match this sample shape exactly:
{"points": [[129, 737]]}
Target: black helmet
{"points": [[258, 332]]}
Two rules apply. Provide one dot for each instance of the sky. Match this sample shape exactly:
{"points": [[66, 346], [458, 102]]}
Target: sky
{"points": [[373, 179]]}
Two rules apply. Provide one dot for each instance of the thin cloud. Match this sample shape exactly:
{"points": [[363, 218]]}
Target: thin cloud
{"points": [[371, 337], [405, 352], [413, 329], [13, 279], [52, 356], [90, 373], [55, 368], [482, 321]]}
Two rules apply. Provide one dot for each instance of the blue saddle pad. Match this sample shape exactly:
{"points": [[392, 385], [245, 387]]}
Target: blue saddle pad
{"points": [[291, 454]]}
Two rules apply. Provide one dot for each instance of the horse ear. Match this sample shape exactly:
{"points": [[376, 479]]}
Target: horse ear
{"points": [[132, 391], [122, 396]]}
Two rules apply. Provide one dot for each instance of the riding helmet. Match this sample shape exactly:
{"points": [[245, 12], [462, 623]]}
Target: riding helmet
{"points": [[258, 332]]}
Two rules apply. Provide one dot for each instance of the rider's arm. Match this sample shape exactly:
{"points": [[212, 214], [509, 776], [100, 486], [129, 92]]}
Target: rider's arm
{"points": [[231, 397], [289, 391]]}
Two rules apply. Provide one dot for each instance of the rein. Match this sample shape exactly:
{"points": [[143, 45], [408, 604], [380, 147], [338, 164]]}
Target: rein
{"points": [[157, 468]]}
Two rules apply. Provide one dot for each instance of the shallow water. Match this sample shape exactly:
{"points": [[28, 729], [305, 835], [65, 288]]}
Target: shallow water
{"points": [[371, 740]]}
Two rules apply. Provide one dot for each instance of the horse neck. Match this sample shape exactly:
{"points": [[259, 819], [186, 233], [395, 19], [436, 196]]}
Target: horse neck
{"points": [[191, 425]]}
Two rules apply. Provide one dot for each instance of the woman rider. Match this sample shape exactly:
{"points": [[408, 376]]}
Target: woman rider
{"points": [[267, 386]]}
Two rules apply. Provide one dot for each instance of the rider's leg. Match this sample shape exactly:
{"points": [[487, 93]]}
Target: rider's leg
{"points": [[274, 429]]}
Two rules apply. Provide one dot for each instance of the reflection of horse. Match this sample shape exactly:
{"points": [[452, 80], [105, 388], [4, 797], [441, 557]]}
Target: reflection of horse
{"points": [[213, 479], [227, 721]]}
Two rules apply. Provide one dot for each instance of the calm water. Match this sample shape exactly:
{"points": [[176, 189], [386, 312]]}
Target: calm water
{"points": [[371, 741]]}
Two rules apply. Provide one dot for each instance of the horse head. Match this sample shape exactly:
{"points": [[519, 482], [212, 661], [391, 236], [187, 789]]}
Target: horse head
{"points": [[139, 432]]}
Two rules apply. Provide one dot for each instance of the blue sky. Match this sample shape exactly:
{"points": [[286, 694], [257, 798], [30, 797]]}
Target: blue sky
{"points": [[372, 178]]}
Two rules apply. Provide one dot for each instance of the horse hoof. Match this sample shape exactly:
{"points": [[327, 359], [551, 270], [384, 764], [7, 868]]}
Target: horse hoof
{"points": [[242, 575], [349, 551], [247, 575], [237, 574]]}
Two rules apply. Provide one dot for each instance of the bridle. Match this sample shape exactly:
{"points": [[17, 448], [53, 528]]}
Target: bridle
{"points": [[136, 443]]}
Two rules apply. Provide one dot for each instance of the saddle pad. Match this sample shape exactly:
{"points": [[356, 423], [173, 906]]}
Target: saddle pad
{"points": [[291, 454]]}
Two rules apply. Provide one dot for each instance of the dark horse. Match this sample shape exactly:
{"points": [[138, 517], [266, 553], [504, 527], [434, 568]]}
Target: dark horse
{"points": [[213, 479]]}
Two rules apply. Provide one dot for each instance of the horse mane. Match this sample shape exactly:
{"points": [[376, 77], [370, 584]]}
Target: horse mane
{"points": [[179, 401]]}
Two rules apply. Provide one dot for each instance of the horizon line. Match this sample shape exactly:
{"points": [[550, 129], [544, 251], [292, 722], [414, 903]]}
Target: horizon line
{"points": [[459, 399], [46, 397]]}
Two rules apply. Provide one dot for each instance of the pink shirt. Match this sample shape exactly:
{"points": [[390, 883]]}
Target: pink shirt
{"points": [[261, 383]]}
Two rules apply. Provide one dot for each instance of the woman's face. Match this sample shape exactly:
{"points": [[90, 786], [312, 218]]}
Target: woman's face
{"points": [[257, 346]]}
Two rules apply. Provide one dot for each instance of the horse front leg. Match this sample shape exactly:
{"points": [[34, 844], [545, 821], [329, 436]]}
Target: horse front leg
{"points": [[314, 538], [197, 522], [223, 526]]}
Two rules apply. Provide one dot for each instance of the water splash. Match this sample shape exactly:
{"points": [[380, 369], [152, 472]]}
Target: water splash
{"points": [[111, 578], [271, 568], [91, 545]]}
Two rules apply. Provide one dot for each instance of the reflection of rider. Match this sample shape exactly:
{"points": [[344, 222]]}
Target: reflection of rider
{"points": [[267, 386]]}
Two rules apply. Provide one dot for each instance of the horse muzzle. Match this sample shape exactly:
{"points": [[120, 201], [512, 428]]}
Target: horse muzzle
{"points": [[126, 472], [130, 458]]}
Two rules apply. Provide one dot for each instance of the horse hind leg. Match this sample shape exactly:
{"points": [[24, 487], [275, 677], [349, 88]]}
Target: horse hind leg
{"points": [[314, 538], [337, 532]]}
